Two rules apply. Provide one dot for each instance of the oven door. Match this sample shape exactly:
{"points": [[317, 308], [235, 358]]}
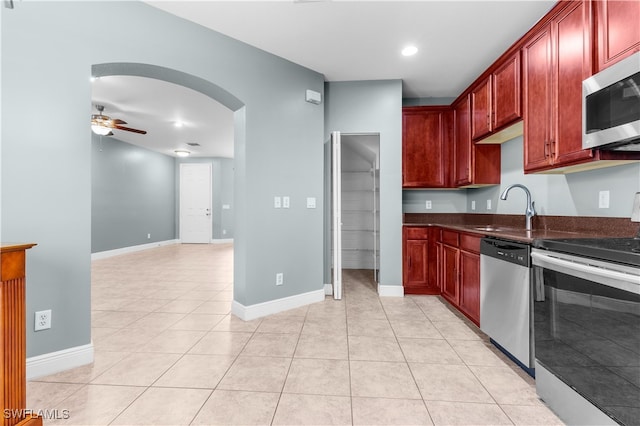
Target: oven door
{"points": [[587, 329]]}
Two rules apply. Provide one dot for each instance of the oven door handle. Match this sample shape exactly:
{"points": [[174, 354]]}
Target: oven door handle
{"points": [[617, 279]]}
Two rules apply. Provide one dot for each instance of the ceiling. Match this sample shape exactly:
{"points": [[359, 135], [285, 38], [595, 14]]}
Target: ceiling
{"points": [[343, 40]]}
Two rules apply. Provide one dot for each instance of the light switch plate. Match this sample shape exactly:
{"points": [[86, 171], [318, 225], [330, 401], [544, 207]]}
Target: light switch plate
{"points": [[286, 202], [488, 204], [473, 204], [311, 202]]}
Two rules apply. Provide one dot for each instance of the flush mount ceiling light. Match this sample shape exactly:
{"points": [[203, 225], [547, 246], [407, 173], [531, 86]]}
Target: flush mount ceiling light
{"points": [[409, 51], [182, 153], [178, 123]]}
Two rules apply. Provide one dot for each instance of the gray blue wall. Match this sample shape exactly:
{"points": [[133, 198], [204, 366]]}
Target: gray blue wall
{"points": [[574, 194], [132, 195], [48, 50], [375, 107]]}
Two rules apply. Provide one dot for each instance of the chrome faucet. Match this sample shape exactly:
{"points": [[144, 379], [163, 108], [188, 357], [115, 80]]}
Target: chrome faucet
{"points": [[530, 211]]}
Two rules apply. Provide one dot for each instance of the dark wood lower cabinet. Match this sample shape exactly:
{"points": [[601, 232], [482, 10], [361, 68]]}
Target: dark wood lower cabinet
{"points": [[470, 285], [419, 260]]}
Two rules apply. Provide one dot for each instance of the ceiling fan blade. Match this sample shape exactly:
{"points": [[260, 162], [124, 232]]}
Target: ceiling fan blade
{"points": [[118, 121], [129, 129]]}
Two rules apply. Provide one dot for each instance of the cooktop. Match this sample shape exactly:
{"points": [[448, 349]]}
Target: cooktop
{"points": [[619, 250]]}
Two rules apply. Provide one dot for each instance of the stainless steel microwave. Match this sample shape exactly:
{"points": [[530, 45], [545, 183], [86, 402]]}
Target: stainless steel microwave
{"points": [[611, 107]]}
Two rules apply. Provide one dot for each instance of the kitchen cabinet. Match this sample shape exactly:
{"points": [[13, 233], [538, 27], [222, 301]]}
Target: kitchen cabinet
{"points": [[475, 164], [419, 260], [427, 134], [555, 61], [481, 110], [460, 272], [496, 101], [617, 31], [469, 300], [506, 92]]}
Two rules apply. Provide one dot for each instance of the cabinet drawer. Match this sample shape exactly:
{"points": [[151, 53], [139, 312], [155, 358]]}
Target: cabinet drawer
{"points": [[416, 233], [470, 243], [450, 238]]}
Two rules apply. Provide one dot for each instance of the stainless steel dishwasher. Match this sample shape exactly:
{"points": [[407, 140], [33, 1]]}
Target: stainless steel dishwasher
{"points": [[505, 298]]}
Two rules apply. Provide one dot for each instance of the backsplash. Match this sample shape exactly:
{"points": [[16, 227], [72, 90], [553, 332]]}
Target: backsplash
{"points": [[574, 194]]}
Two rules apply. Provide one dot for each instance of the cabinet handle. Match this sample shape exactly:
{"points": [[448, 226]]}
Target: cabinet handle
{"points": [[552, 148], [409, 262], [546, 147]]}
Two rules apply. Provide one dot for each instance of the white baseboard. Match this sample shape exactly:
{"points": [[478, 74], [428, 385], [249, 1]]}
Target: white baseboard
{"points": [[260, 310], [221, 240], [390, 290], [132, 249], [328, 289], [55, 362]]}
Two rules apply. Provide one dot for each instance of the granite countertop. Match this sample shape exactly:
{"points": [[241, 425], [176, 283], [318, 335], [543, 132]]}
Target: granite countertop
{"points": [[511, 227]]}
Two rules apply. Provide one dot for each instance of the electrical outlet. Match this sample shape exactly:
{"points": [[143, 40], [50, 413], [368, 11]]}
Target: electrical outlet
{"points": [[286, 202], [42, 320], [427, 205], [603, 199], [277, 202], [148, 236], [488, 204], [279, 278], [473, 204]]}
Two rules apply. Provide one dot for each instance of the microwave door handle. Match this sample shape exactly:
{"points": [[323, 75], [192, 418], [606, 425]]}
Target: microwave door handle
{"points": [[616, 279]]}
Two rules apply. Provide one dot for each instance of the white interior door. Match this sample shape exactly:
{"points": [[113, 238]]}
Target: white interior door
{"points": [[195, 203], [336, 213]]}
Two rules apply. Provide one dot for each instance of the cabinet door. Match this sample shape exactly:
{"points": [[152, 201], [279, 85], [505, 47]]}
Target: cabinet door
{"points": [[463, 144], [537, 96], [449, 272], [470, 285], [424, 148], [481, 110], [416, 263], [572, 65], [506, 93], [618, 31]]}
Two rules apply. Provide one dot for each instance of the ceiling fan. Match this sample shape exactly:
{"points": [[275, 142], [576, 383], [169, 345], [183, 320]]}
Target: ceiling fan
{"points": [[102, 124]]}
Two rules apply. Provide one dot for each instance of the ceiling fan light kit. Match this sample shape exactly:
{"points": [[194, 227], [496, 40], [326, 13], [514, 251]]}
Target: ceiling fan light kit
{"points": [[102, 124]]}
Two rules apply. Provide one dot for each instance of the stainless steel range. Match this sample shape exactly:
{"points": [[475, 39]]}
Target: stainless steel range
{"points": [[587, 328]]}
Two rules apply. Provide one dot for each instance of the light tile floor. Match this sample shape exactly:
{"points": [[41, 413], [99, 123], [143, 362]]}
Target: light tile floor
{"points": [[168, 352]]}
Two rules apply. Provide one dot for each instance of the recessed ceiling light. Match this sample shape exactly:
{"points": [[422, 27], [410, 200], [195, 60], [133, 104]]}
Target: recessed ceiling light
{"points": [[178, 123], [409, 51], [182, 153]]}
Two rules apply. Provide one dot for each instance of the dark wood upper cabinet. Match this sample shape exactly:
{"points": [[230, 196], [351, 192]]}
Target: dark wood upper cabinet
{"points": [[481, 110], [427, 134], [496, 100], [475, 164], [618, 30], [463, 143], [555, 61], [506, 106]]}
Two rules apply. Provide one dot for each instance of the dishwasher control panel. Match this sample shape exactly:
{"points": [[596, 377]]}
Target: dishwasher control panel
{"points": [[509, 251]]}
